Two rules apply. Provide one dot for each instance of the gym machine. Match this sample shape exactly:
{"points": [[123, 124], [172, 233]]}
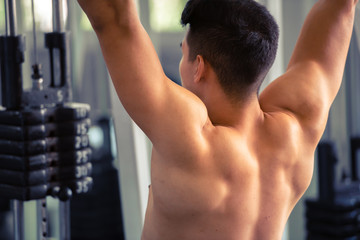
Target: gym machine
{"points": [[44, 143], [335, 214]]}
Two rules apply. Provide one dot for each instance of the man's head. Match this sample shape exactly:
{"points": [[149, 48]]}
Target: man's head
{"points": [[238, 38]]}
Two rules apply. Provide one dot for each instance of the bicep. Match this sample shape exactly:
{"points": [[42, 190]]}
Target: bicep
{"points": [[314, 74], [317, 64], [304, 93], [320, 53]]}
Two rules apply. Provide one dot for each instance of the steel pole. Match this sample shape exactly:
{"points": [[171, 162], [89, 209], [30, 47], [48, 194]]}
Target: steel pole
{"points": [[10, 18], [58, 20]]}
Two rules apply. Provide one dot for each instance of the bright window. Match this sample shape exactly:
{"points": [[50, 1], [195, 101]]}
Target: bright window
{"points": [[43, 14], [2, 18], [85, 23], [165, 15]]}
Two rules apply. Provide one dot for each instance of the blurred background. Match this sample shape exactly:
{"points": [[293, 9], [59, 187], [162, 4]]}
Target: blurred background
{"points": [[115, 138]]}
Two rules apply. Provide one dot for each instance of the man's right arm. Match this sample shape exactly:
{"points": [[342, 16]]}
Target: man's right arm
{"points": [[168, 114], [314, 74]]}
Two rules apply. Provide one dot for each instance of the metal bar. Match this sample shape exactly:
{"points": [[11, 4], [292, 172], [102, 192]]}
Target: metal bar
{"points": [[42, 219], [64, 211], [11, 59], [10, 18], [34, 32], [18, 209], [58, 21], [7, 28]]}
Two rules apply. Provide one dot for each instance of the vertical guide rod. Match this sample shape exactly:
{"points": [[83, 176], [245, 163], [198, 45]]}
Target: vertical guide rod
{"points": [[34, 32], [58, 21], [12, 49], [11, 31], [58, 27], [64, 206], [10, 18], [18, 208], [64, 212], [42, 219]]}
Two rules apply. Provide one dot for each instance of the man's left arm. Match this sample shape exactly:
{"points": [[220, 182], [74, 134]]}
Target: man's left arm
{"points": [[313, 77]]}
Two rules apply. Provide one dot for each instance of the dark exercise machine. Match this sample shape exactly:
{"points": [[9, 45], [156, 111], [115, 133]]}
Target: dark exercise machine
{"points": [[44, 143], [98, 214], [335, 215]]}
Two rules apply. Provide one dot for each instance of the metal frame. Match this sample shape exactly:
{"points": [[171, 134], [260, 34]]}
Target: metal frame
{"points": [[10, 18]]}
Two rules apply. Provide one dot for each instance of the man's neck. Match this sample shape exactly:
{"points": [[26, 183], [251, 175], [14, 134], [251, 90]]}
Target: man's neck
{"points": [[223, 112]]}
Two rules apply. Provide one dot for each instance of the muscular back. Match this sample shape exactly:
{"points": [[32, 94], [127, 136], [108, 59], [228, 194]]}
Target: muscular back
{"points": [[220, 171], [241, 186]]}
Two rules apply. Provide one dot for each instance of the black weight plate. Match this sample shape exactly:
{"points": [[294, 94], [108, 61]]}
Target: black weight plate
{"points": [[23, 179], [17, 163], [55, 144], [71, 112], [43, 176], [18, 148], [37, 162], [37, 132], [79, 127], [314, 236], [69, 158], [333, 230], [66, 112], [61, 174], [337, 218], [68, 143], [23, 193], [78, 186], [23, 117], [25, 133], [340, 206]]}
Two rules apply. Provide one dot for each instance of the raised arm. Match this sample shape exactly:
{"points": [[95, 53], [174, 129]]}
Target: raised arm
{"points": [[161, 108], [314, 74]]}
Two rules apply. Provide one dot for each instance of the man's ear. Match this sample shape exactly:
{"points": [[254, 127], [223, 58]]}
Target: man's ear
{"points": [[200, 69]]}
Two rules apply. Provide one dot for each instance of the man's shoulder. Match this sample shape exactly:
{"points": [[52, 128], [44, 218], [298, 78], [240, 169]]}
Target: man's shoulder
{"points": [[302, 93]]}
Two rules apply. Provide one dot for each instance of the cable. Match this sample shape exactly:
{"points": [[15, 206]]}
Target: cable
{"points": [[34, 32], [37, 75]]}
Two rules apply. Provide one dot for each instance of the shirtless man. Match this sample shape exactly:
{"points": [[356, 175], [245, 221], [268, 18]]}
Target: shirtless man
{"points": [[227, 164]]}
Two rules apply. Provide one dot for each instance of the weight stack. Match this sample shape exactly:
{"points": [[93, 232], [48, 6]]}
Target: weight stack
{"points": [[335, 215], [333, 221], [104, 200], [44, 151]]}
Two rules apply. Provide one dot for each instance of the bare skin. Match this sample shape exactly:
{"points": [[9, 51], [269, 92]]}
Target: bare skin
{"points": [[222, 170]]}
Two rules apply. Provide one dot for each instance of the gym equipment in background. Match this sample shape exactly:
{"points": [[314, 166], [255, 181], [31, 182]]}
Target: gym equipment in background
{"points": [[335, 215], [44, 145]]}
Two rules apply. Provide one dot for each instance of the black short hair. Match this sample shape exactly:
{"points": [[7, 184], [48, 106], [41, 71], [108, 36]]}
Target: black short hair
{"points": [[238, 38]]}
